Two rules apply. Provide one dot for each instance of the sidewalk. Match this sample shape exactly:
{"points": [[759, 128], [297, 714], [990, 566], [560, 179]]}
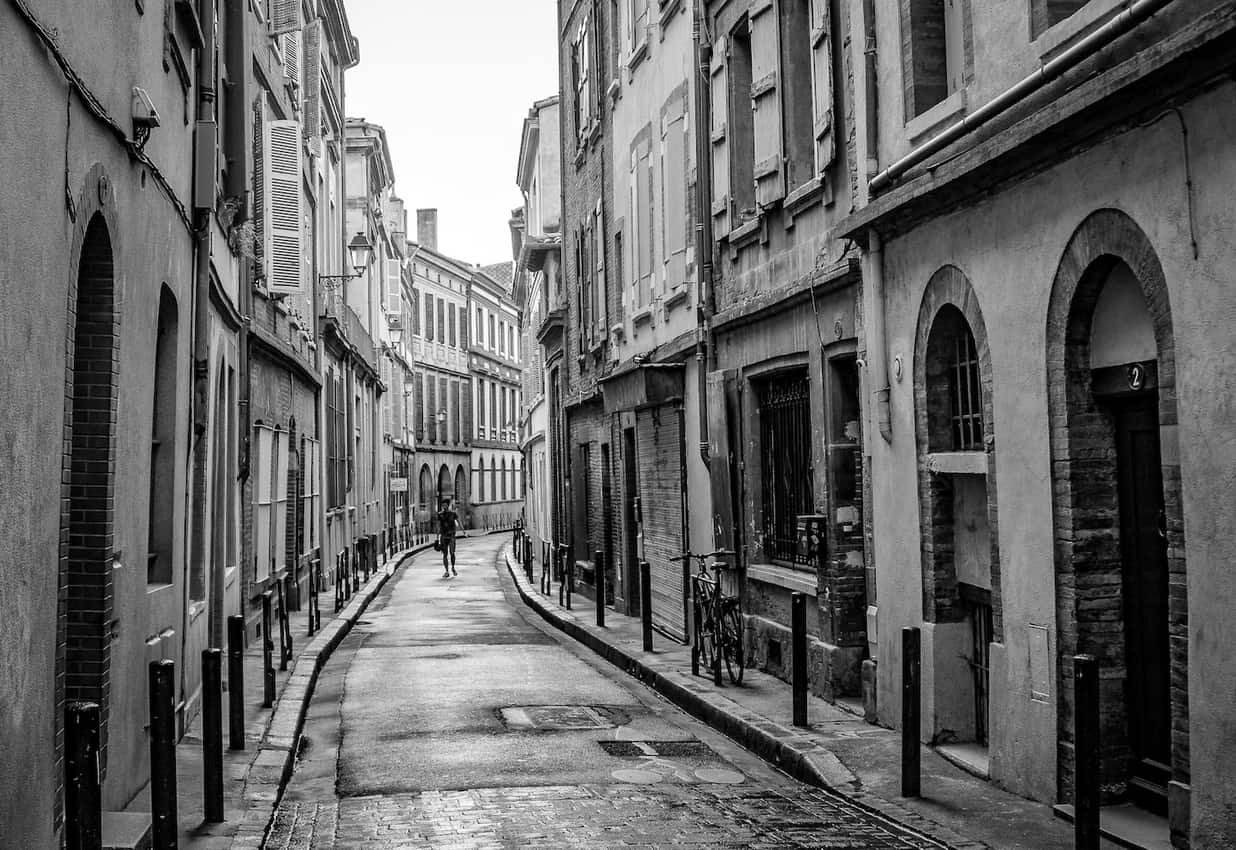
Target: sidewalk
{"points": [[840, 751], [254, 778]]}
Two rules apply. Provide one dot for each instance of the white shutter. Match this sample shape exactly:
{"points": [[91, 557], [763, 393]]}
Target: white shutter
{"points": [[261, 215], [283, 205], [720, 145], [766, 103], [289, 45], [284, 16], [822, 85], [311, 74], [599, 305], [394, 301]]}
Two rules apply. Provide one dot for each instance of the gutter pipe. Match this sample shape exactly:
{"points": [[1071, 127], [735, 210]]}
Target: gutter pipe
{"points": [[873, 287], [1133, 15], [705, 351]]}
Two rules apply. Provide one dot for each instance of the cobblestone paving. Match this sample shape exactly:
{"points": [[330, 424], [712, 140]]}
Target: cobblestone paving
{"points": [[588, 816]]}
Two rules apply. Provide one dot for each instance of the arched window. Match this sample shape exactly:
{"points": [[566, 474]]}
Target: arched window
{"points": [[480, 482], [504, 479], [163, 444], [954, 389]]}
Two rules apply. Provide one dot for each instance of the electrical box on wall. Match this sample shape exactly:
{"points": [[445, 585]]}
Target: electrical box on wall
{"points": [[205, 164]]}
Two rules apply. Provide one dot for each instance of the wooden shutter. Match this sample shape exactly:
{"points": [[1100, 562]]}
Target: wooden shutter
{"points": [[674, 212], [283, 206], [766, 103], [822, 85], [394, 297], [599, 301], [312, 74], [284, 16], [720, 145], [289, 45], [720, 463]]}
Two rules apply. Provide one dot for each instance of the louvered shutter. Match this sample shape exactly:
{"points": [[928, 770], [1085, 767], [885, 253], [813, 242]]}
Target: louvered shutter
{"points": [[312, 76], [720, 142], [261, 216], [289, 45], [600, 302], [394, 301], [431, 410], [284, 16], [418, 406], [279, 519], [766, 103], [283, 206], [822, 85], [465, 402]]}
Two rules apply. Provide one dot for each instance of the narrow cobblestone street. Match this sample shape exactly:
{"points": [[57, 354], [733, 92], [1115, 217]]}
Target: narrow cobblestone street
{"points": [[450, 718]]}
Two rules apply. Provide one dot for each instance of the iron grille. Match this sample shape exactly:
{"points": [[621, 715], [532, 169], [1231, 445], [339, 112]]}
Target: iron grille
{"points": [[967, 412], [785, 446]]}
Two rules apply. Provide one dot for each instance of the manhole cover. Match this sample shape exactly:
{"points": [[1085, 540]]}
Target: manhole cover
{"points": [[561, 718], [670, 749]]}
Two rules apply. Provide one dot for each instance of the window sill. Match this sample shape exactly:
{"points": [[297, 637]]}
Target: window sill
{"points": [[783, 577], [804, 198], [957, 463], [638, 55], [746, 233], [922, 126], [1059, 36], [614, 92], [676, 297], [640, 317], [669, 8]]}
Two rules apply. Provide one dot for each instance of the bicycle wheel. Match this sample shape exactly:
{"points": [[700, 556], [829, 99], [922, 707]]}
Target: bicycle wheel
{"points": [[706, 642], [732, 643]]}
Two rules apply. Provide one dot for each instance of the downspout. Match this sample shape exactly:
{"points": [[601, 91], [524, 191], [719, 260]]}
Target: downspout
{"points": [[1133, 15], [239, 178], [705, 351], [872, 88], [877, 357]]}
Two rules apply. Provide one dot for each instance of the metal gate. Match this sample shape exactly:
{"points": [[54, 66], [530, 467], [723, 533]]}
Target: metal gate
{"points": [[785, 447], [980, 663], [659, 440]]}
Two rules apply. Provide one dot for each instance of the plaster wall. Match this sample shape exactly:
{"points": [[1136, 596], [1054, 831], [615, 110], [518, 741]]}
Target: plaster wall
{"points": [[1012, 266]]}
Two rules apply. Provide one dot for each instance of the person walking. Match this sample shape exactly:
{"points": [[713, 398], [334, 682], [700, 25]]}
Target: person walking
{"points": [[448, 521]]}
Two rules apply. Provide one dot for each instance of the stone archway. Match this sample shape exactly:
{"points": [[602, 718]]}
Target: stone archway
{"points": [[425, 489], [955, 431], [1091, 583]]}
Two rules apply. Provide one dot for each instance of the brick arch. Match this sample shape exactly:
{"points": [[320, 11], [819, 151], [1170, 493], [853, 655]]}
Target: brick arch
{"points": [[1083, 485], [92, 340], [949, 292]]}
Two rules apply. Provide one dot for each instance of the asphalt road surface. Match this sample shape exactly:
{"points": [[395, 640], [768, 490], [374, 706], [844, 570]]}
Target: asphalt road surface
{"points": [[452, 717]]}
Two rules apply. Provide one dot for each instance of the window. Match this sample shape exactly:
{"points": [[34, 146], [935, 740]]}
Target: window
{"points": [[493, 411], [480, 408], [641, 216], [480, 482], [504, 479], [598, 274], [271, 501], [938, 58], [441, 320], [311, 493], [456, 413], [502, 337], [451, 315], [1048, 13], [740, 133], [620, 281], [674, 210], [336, 458], [492, 336], [480, 327], [796, 49], [463, 326], [160, 533], [581, 79], [964, 394], [639, 26], [428, 317], [785, 463], [954, 390]]}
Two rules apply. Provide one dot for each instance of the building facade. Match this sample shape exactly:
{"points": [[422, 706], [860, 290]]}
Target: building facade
{"points": [[1047, 352], [495, 361], [536, 240]]}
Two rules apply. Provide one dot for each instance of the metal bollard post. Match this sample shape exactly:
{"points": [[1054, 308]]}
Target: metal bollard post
{"points": [[716, 635], [83, 819], [236, 679], [798, 651], [1086, 752], [212, 734], [570, 575], [268, 654], [164, 823], [598, 559], [282, 616], [695, 630], [645, 603], [560, 574], [910, 711]]}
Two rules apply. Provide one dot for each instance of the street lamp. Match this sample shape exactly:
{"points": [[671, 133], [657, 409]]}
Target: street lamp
{"points": [[360, 250]]}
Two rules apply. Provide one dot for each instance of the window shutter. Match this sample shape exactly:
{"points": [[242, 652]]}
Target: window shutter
{"points": [[720, 144], [283, 205], [261, 216], [822, 85], [600, 302], [465, 403], [289, 44], [312, 73], [431, 411], [284, 16], [418, 406], [394, 297], [766, 103], [280, 499]]}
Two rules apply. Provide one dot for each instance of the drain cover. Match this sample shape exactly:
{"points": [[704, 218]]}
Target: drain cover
{"points": [[671, 749], [562, 718]]}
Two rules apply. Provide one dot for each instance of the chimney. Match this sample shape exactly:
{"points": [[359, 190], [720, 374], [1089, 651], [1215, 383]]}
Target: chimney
{"points": [[427, 228]]}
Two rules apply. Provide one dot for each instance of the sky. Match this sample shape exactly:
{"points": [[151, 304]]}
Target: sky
{"points": [[452, 82]]}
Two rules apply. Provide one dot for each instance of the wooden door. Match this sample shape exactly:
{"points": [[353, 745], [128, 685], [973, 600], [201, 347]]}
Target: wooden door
{"points": [[1143, 550]]}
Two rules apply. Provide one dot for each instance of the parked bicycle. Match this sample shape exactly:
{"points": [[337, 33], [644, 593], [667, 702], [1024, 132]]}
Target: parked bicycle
{"points": [[718, 616]]}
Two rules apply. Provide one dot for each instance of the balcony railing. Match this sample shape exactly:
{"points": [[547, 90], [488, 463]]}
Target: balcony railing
{"points": [[350, 326]]}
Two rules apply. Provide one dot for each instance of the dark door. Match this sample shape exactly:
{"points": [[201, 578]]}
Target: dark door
{"points": [[1143, 551], [630, 493]]}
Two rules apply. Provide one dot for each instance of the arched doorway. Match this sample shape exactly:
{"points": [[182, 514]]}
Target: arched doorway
{"points": [[461, 488], [960, 549], [87, 545], [446, 485], [1119, 534], [425, 488]]}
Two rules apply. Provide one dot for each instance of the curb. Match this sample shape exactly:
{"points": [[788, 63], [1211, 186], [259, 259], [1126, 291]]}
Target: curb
{"points": [[790, 753], [275, 759]]}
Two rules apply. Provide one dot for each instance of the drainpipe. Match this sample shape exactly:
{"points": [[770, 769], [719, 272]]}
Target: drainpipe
{"points": [[1133, 15], [877, 345], [705, 351], [872, 87], [236, 46]]}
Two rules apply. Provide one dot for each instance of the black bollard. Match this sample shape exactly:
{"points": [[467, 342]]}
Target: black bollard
{"points": [[268, 654], [695, 629], [645, 603], [83, 817], [164, 823], [560, 574], [910, 711], [282, 615], [598, 560], [570, 577], [212, 734], [1086, 752], [236, 680], [798, 651]]}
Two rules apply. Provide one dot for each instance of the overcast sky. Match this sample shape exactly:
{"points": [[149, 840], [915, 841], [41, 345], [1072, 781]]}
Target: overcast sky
{"points": [[451, 82]]}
